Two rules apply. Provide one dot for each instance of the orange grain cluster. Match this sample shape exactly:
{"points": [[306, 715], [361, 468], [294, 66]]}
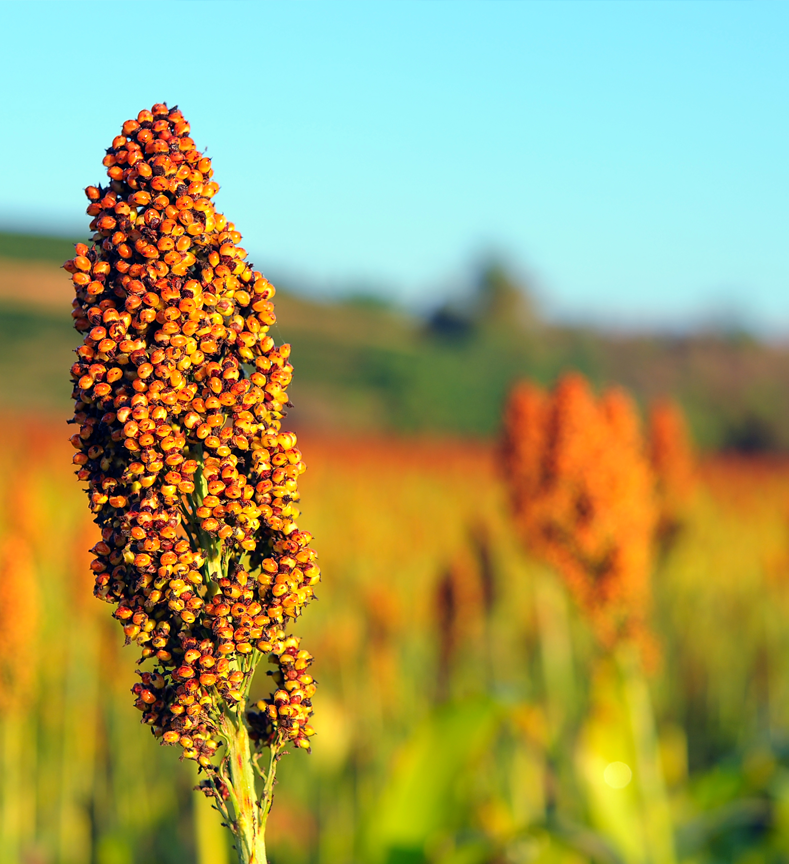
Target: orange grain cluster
{"points": [[179, 395], [581, 490]]}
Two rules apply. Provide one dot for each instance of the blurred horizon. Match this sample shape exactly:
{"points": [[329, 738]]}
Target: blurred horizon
{"points": [[366, 367], [456, 291]]}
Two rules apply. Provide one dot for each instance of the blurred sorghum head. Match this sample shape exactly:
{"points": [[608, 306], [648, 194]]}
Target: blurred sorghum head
{"points": [[581, 490]]}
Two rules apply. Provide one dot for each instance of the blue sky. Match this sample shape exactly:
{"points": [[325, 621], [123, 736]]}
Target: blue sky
{"points": [[629, 158]]}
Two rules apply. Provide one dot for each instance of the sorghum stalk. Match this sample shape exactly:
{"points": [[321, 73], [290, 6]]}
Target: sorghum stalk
{"points": [[582, 494], [658, 822], [179, 396]]}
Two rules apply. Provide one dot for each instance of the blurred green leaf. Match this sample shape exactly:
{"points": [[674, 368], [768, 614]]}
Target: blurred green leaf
{"points": [[422, 797], [402, 855], [593, 846], [697, 834]]}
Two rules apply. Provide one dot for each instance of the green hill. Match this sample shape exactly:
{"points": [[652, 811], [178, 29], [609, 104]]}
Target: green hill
{"points": [[35, 247]]}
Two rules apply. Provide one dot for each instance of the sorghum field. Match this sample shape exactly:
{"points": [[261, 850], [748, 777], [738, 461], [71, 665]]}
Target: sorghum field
{"points": [[467, 713]]}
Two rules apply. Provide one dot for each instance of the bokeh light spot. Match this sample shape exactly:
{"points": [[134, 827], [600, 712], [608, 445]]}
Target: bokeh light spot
{"points": [[617, 775]]}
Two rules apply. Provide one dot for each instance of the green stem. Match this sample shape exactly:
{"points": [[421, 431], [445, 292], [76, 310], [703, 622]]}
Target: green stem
{"points": [[10, 729], [249, 814], [657, 811], [211, 547], [556, 653], [561, 696], [268, 788], [250, 817]]}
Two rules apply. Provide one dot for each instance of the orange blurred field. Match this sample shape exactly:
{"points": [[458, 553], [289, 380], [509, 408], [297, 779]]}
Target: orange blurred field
{"points": [[466, 712]]}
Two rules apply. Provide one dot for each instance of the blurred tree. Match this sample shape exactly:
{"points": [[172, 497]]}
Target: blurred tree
{"points": [[498, 304], [504, 304]]}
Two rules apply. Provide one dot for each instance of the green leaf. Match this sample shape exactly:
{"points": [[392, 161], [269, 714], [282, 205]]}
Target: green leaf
{"points": [[424, 797]]}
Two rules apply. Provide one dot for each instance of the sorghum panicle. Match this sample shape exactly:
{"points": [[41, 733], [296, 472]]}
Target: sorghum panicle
{"points": [[582, 494], [179, 395]]}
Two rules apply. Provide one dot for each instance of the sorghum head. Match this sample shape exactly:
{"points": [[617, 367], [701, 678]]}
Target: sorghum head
{"points": [[179, 395]]}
